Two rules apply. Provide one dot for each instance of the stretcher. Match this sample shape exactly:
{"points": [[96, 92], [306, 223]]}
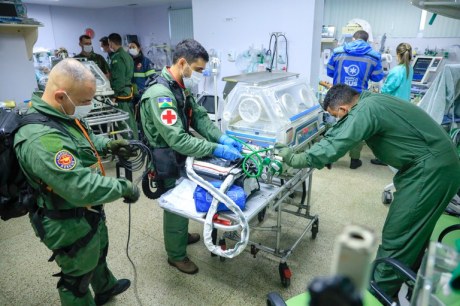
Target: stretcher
{"points": [[109, 121], [237, 225]]}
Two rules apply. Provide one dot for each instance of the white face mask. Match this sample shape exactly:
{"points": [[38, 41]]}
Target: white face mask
{"points": [[80, 110], [133, 52], [102, 50], [87, 48], [193, 80]]}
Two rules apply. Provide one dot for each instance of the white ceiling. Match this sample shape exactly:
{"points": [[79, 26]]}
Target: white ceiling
{"points": [[106, 3]]}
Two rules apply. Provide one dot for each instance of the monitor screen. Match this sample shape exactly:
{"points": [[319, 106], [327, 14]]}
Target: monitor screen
{"points": [[8, 10], [420, 68]]}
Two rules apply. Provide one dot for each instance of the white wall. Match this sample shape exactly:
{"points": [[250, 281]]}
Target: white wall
{"points": [[64, 25], [17, 76], [152, 25], [251, 24]]}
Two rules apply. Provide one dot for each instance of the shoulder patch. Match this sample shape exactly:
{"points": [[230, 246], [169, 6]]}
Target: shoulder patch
{"points": [[168, 116], [164, 102], [65, 160]]}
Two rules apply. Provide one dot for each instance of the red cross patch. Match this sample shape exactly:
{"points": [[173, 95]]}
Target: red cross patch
{"points": [[168, 116]]}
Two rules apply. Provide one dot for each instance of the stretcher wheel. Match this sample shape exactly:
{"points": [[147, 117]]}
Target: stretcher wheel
{"points": [[261, 215], [387, 197], [315, 229], [285, 274]]}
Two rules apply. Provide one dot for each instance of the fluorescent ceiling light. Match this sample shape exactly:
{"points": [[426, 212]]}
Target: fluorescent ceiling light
{"points": [[422, 21]]}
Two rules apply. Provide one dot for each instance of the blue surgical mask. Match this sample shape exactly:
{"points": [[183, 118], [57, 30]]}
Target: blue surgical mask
{"points": [[80, 110]]}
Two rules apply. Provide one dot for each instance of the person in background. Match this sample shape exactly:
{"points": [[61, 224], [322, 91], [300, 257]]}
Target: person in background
{"points": [[65, 170], [143, 68], [105, 48], [399, 80], [61, 53], [88, 53], [354, 64], [121, 74], [405, 137], [168, 111]]}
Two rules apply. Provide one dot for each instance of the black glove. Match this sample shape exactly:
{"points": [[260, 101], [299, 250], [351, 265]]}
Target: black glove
{"points": [[133, 196], [121, 148]]}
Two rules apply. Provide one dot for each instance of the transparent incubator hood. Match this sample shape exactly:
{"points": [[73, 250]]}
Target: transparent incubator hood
{"points": [[283, 111]]}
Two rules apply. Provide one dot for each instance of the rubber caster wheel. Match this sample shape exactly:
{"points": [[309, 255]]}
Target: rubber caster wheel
{"points": [[285, 275], [315, 229], [261, 215], [387, 197]]}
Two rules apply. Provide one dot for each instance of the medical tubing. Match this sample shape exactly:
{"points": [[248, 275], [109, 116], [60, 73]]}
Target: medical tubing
{"points": [[219, 196], [258, 164]]}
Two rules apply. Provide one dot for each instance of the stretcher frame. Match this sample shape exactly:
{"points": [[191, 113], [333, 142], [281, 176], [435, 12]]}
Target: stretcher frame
{"points": [[106, 120], [276, 196]]}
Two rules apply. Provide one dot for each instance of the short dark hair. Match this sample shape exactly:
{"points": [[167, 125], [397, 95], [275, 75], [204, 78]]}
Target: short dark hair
{"points": [[104, 40], [191, 50], [84, 36], [339, 94], [136, 43], [115, 38], [361, 34]]}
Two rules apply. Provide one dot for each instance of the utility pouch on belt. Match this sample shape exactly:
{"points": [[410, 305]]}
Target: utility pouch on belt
{"points": [[166, 164]]}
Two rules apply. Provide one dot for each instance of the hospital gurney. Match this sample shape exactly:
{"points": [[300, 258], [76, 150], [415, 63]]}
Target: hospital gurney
{"points": [[235, 224]]}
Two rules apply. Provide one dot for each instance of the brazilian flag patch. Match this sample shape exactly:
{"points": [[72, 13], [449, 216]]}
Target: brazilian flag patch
{"points": [[165, 102]]}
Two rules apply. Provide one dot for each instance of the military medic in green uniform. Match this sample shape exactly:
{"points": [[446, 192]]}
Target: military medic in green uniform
{"points": [[403, 136], [65, 169], [121, 74], [88, 53], [168, 110]]}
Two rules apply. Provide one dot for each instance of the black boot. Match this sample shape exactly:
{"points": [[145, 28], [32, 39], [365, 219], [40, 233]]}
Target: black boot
{"points": [[104, 297], [355, 163], [376, 161]]}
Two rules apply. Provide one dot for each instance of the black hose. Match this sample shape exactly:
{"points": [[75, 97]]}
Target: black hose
{"points": [[147, 185]]}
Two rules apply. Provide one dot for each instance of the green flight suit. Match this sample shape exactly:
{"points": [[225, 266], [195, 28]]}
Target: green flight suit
{"points": [[158, 105], [68, 166], [98, 59], [403, 136], [121, 73]]}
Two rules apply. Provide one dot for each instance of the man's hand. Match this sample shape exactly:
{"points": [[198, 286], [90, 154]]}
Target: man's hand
{"points": [[133, 195], [226, 152], [121, 148], [286, 154], [225, 140], [297, 161]]}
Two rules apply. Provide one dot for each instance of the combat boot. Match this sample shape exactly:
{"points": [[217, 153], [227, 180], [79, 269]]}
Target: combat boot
{"points": [[104, 297], [185, 265], [193, 238], [355, 163]]}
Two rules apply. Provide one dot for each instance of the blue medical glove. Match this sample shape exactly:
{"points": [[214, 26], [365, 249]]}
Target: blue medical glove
{"points": [[228, 141], [226, 152]]}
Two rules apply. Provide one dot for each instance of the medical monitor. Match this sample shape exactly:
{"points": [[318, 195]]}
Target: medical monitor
{"points": [[422, 66]]}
